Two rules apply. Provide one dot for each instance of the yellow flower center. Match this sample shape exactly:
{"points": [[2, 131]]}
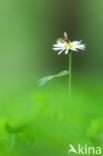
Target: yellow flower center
{"points": [[68, 45]]}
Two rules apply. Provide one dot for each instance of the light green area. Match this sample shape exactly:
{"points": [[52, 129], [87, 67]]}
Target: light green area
{"points": [[45, 121]]}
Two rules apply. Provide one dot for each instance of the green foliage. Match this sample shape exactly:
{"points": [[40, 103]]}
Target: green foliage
{"points": [[52, 121], [14, 130], [46, 79]]}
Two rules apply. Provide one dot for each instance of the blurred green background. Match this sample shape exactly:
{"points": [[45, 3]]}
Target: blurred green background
{"points": [[44, 121]]}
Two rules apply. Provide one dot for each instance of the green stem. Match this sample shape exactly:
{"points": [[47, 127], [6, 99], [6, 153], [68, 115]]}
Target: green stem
{"points": [[70, 72]]}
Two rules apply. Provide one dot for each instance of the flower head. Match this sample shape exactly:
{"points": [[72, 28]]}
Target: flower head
{"points": [[65, 45]]}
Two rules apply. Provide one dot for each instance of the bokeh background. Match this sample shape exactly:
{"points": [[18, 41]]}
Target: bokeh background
{"points": [[44, 121]]}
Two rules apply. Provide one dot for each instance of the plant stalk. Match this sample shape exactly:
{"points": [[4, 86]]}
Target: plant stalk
{"points": [[70, 73]]}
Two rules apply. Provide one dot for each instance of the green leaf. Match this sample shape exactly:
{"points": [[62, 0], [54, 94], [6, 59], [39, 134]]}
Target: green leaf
{"points": [[14, 130], [63, 73], [46, 79]]}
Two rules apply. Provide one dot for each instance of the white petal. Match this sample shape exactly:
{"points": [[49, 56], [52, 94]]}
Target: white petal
{"points": [[74, 49], [82, 47], [61, 51], [66, 51], [75, 43], [58, 48], [59, 45], [56, 45], [78, 45]]}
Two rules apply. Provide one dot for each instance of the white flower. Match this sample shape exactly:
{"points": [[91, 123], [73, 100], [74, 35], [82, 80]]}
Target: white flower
{"points": [[65, 45]]}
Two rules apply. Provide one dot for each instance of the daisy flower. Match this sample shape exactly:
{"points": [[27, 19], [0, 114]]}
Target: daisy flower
{"points": [[65, 45]]}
